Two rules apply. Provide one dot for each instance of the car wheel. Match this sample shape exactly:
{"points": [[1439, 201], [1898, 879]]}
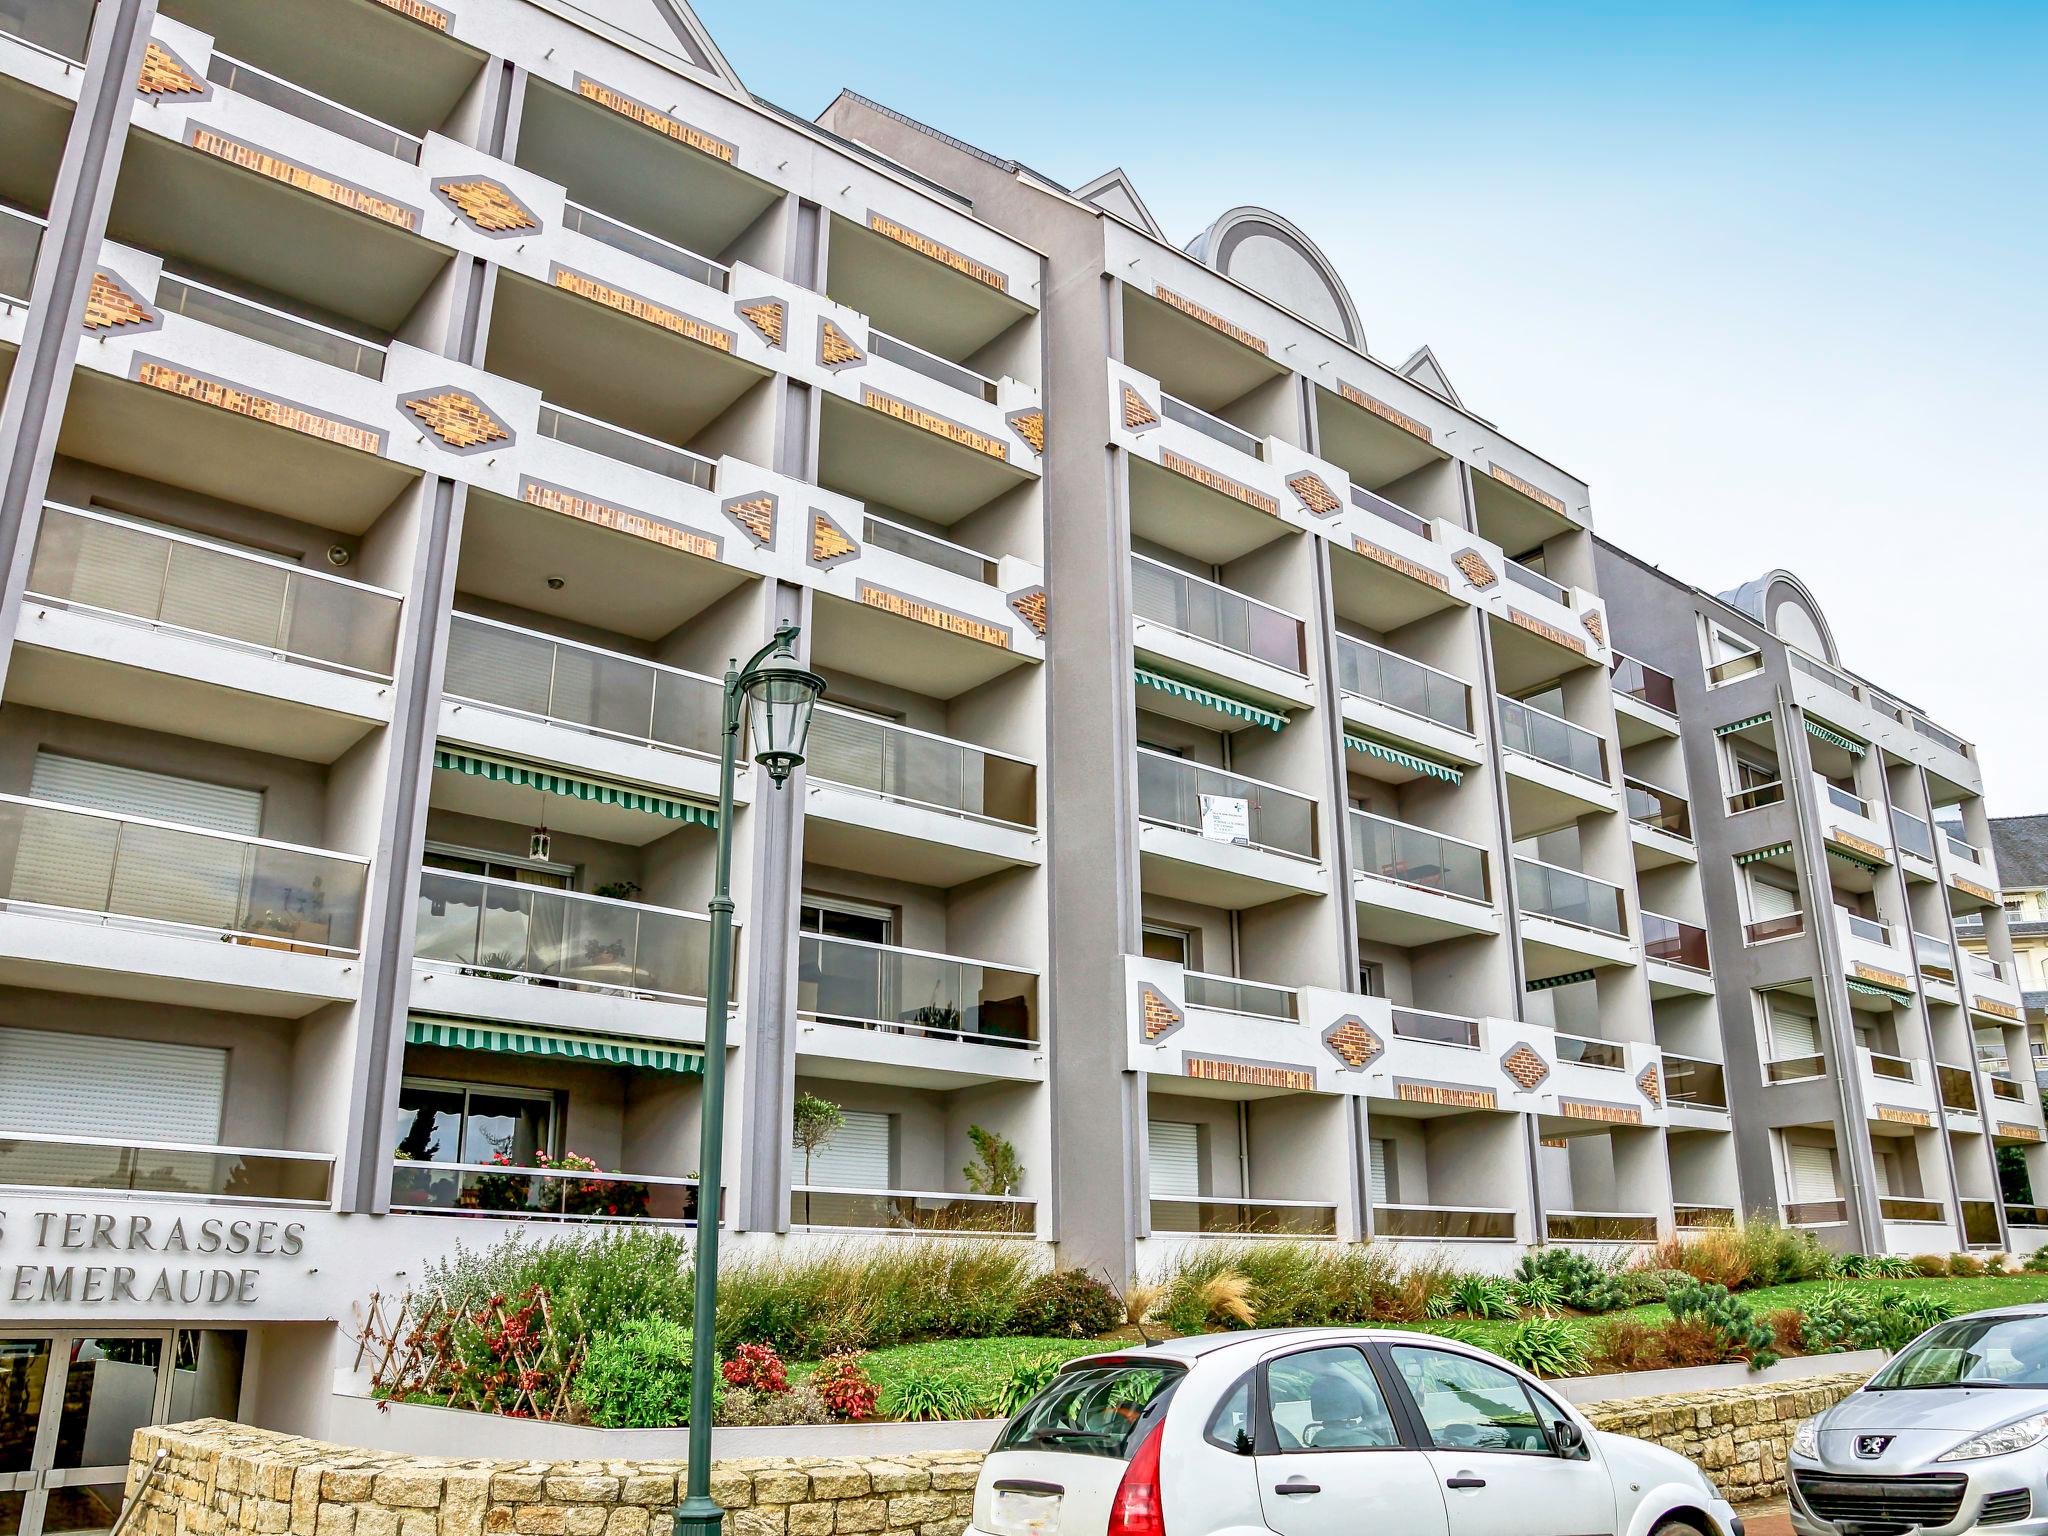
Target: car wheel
{"points": [[1676, 1526]]}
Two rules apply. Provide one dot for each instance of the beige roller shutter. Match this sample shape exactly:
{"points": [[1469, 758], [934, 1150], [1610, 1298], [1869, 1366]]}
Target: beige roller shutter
{"points": [[90, 1085], [1175, 1151], [857, 1156], [1811, 1171]]}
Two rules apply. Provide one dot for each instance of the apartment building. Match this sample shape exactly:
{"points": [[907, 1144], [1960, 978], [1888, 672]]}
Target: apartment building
{"points": [[1233, 790], [2020, 845]]}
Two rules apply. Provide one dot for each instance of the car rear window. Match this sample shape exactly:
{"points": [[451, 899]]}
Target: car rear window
{"points": [[1102, 1408]]}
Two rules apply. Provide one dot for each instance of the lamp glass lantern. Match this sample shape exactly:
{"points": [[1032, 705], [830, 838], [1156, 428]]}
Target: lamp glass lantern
{"points": [[779, 695]]}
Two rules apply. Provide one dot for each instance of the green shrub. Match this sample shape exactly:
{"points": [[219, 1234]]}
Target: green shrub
{"points": [[923, 1394], [1782, 1255], [1545, 1346], [594, 1282], [1583, 1283], [2037, 1261], [1965, 1266], [1840, 1318], [1932, 1265], [990, 1378], [637, 1376], [1875, 1266], [1537, 1293], [1902, 1318], [1067, 1302], [1026, 1380], [869, 1296], [1649, 1285], [1482, 1296], [1739, 1331]]}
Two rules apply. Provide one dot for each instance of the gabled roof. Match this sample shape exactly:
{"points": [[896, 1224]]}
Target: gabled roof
{"points": [[1425, 370], [1114, 191], [2020, 844], [671, 26]]}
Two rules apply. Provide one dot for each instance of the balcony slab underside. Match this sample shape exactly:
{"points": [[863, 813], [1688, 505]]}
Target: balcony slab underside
{"points": [[905, 652], [183, 685], [1656, 848], [1189, 867], [1668, 980], [1552, 948], [1636, 722], [1543, 797], [1183, 514], [1391, 912], [446, 992], [850, 830], [1371, 592], [854, 1054], [141, 964], [871, 456]]}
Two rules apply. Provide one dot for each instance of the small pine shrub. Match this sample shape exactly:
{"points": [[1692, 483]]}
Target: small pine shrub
{"points": [[1583, 1283], [1068, 1303], [1482, 1296], [848, 1392], [1840, 1318], [1545, 1346], [637, 1376], [1965, 1266], [1648, 1285], [1932, 1265], [1740, 1333]]}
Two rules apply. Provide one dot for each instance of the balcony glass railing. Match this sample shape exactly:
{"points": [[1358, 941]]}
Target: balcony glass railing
{"points": [[1700, 1218], [1675, 943], [1535, 733], [2026, 1215], [1566, 896], [1392, 512], [1893, 1068], [651, 248], [1756, 797], [1436, 1028], [1765, 929], [1980, 1223], [1584, 1051], [1821, 672], [1536, 581], [1907, 1208], [273, 327], [1958, 1089], [1868, 929], [926, 549], [1369, 671], [61, 28], [1218, 1216], [1727, 671], [648, 453], [909, 992], [935, 773], [70, 861], [1925, 727], [1649, 806], [308, 106], [1230, 994], [580, 687], [545, 1194], [36, 1160], [107, 565], [1600, 1226], [2007, 1089], [1816, 1213], [897, 1210], [1937, 962], [1963, 849], [1702, 1084], [1643, 682], [1171, 791], [1913, 834], [1211, 426], [21, 238], [1984, 966], [893, 349], [504, 931], [1393, 850], [1842, 799], [1444, 1223], [1209, 612], [1794, 1069]]}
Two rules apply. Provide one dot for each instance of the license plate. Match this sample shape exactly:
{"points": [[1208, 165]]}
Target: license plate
{"points": [[1027, 1514]]}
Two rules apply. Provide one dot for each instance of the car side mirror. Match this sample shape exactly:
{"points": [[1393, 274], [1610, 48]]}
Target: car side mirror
{"points": [[1567, 1440]]}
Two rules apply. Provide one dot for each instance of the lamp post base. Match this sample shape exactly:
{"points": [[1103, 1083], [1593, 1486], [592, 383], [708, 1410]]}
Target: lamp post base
{"points": [[698, 1517]]}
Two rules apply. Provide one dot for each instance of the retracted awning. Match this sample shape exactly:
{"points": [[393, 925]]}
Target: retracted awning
{"points": [[1569, 978], [1833, 738], [1741, 725], [1402, 759], [1873, 989], [1758, 855], [541, 1042], [1856, 859], [1223, 704], [506, 771]]}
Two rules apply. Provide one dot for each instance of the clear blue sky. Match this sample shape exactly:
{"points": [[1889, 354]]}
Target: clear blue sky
{"points": [[1769, 277]]}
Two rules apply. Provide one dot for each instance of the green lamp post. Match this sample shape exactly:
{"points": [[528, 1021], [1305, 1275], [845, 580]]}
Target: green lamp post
{"points": [[779, 694]]}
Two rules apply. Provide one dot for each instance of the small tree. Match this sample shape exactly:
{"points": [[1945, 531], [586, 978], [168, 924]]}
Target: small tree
{"points": [[813, 1122], [996, 1169]]}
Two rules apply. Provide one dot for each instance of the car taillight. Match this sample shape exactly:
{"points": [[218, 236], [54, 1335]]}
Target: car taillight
{"points": [[1136, 1510]]}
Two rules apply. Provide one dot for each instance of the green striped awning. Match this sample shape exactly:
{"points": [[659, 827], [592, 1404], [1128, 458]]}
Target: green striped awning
{"points": [[1758, 855], [1856, 859], [597, 791], [1402, 759], [1833, 738], [542, 1042], [1223, 704], [1569, 978], [1741, 725], [1872, 989]]}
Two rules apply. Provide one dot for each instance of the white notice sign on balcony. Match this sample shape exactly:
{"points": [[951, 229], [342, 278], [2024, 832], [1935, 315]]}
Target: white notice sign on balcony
{"points": [[1226, 818]]}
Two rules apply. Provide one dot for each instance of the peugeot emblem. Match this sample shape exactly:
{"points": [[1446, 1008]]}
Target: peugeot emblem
{"points": [[1871, 1446]]}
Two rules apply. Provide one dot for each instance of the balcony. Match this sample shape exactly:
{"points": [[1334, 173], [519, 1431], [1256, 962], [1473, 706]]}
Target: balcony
{"points": [[1676, 953], [1911, 1210], [1232, 994], [542, 1194], [895, 350], [1854, 835], [273, 327], [1237, 644], [58, 28], [274, 91], [914, 1017], [1221, 1216], [2011, 1090], [99, 1164], [814, 1207], [1568, 920], [1660, 826], [1966, 868], [927, 549], [1557, 771], [1443, 1223], [1937, 967], [1396, 699], [1414, 886], [1880, 975], [1894, 1087], [206, 918], [1767, 929], [1990, 990], [1193, 847], [649, 248], [1645, 701], [1600, 1227], [1915, 842], [1957, 1088], [908, 804], [1392, 512], [1214, 428], [178, 634], [21, 240], [495, 949], [1535, 581], [607, 440], [1694, 1085]]}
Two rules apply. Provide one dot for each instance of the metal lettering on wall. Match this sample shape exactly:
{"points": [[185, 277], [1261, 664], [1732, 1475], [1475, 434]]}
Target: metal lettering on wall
{"points": [[88, 1259]]}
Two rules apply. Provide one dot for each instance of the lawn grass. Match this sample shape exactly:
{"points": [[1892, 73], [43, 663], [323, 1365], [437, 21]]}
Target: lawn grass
{"points": [[974, 1369]]}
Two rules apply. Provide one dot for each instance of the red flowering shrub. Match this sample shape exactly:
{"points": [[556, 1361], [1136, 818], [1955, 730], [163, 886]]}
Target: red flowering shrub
{"points": [[757, 1368], [845, 1387]]}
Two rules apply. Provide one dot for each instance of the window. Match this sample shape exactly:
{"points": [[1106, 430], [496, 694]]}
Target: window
{"points": [[1793, 1033], [1173, 945], [1174, 1149], [1230, 1426], [1768, 899], [1372, 979], [855, 1156], [837, 918], [1810, 1171], [1383, 1165], [450, 1122], [498, 866], [1327, 1400], [1105, 1408], [1468, 1405]]}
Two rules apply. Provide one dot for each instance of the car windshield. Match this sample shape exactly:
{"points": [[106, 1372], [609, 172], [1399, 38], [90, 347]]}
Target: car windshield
{"points": [[1973, 1352], [1102, 1408]]}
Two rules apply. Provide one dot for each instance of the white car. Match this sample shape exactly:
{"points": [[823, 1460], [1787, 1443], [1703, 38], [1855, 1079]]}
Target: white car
{"points": [[1325, 1432]]}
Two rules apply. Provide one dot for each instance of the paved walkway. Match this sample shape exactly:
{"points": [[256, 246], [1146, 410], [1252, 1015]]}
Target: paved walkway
{"points": [[1766, 1520]]}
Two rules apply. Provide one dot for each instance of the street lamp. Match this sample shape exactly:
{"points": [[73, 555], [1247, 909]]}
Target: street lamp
{"points": [[780, 693]]}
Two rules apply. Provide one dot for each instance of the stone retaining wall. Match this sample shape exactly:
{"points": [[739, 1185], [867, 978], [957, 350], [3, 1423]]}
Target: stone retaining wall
{"points": [[222, 1479]]}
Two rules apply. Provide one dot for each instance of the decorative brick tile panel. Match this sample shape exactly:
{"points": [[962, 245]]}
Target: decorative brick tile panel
{"points": [[1882, 977], [1314, 496], [1210, 318], [660, 122], [487, 204], [939, 426], [110, 305], [419, 11], [768, 316], [1595, 625], [755, 515], [1447, 1094], [1549, 632], [1030, 606], [243, 402], [836, 348], [944, 255], [1029, 425], [1862, 845], [1384, 411], [1473, 567], [1156, 1016], [1394, 562], [165, 74], [1137, 414], [1650, 1085], [685, 326], [1901, 1116], [602, 514], [1608, 1114], [1972, 888], [1248, 1074], [1555, 1143], [457, 418], [1995, 1008], [2018, 1131], [1535, 493], [829, 541], [930, 613], [1258, 501], [1525, 1064], [1352, 1042], [277, 168]]}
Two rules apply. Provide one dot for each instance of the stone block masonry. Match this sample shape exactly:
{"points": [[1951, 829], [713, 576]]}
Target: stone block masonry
{"points": [[1739, 1436]]}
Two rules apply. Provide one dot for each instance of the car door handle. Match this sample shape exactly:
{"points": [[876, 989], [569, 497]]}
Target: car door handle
{"points": [[1297, 1487], [1464, 1482]]}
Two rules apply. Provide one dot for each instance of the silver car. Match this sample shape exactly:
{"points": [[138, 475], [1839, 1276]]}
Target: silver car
{"points": [[1951, 1436]]}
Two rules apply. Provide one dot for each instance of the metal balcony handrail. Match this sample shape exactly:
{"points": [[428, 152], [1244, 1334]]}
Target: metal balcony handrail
{"points": [[984, 569], [347, 121], [1224, 773], [890, 778], [1535, 581], [1756, 797], [582, 645], [1533, 720], [1290, 995], [1729, 668], [96, 814], [1688, 935], [1227, 595], [1926, 727], [1883, 1064], [580, 896], [1574, 1049], [249, 556], [172, 295], [1391, 512], [1761, 930], [1843, 799], [1184, 814], [1291, 1205], [1409, 826], [1643, 682], [1815, 668], [922, 954], [1961, 847], [1921, 840], [679, 259], [1414, 1205], [577, 1175], [1984, 965], [1398, 864], [696, 469], [942, 370], [1227, 433], [75, 44], [1671, 807], [1436, 1028], [1620, 916], [1460, 690], [911, 730], [1870, 929], [224, 1149]]}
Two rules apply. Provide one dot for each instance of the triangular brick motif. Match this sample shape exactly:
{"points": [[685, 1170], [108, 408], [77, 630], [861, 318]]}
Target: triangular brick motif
{"points": [[768, 316], [755, 515], [1595, 626], [459, 420], [1030, 425], [1156, 1015], [1651, 1084], [163, 75], [1029, 606], [1137, 414], [836, 348], [108, 305], [829, 541]]}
